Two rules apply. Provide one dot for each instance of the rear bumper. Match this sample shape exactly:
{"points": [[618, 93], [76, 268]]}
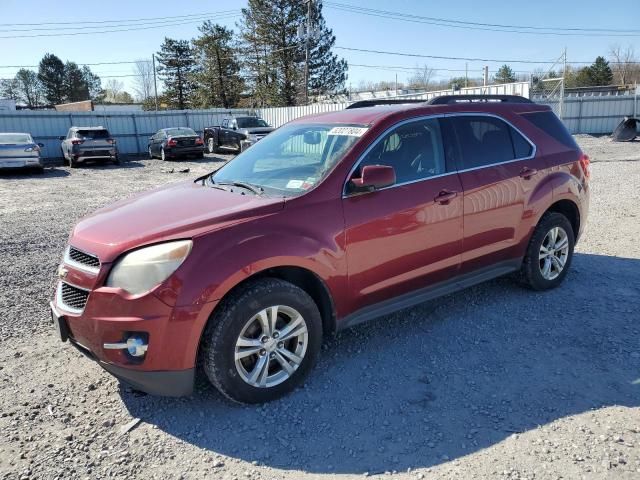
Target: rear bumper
{"points": [[88, 158], [26, 162], [180, 151]]}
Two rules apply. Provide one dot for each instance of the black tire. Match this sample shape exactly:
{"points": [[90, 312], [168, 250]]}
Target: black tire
{"points": [[200, 155], [163, 156], [65, 160], [227, 323], [116, 161], [212, 145], [73, 163], [150, 153], [531, 271]]}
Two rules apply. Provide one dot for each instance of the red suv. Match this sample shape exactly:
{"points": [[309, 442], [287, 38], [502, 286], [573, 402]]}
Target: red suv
{"points": [[331, 220]]}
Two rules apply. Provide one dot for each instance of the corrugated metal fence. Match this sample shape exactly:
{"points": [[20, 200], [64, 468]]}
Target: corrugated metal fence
{"points": [[132, 129]]}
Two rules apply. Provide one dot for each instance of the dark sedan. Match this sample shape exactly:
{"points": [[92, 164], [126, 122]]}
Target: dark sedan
{"points": [[170, 143]]}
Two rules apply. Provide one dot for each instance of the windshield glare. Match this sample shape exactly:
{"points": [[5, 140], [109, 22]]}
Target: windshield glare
{"points": [[14, 138], [292, 159], [251, 122]]}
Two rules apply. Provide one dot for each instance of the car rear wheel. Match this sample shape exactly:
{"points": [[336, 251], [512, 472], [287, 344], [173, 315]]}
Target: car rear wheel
{"points": [[549, 253], [150, 152], [262, 341], [163, 156]]}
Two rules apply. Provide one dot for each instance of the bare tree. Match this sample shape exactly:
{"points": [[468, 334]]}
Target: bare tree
{"points": [[421, 78], [113, 89], [626, 67], [143, 81]]}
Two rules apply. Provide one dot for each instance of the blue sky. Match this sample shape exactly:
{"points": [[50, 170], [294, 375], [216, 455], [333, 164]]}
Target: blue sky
{"points": [[351, 30]]}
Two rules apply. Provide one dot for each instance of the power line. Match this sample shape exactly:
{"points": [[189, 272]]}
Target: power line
{"points": [[123, 25], [70, 34], [443, 22], [172, 17]]}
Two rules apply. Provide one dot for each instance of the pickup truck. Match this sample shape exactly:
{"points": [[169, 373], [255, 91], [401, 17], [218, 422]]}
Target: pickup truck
{"points": [[235, 133]]}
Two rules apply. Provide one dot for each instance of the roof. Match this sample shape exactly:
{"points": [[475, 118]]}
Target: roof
{"points": [[372, 115]]}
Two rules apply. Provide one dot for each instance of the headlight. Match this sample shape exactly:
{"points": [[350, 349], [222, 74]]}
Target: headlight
{"points": [[141, 270]]}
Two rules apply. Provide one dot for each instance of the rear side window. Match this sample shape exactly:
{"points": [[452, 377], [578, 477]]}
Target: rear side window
{"points": [[487, 140], [550, 124]]}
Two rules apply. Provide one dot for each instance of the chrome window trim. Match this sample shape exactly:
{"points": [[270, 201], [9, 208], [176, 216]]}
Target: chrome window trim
{"points": [[345, 194], [63, 305], [72, 263]]}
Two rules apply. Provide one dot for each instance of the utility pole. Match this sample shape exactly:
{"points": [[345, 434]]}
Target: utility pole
{"points": [[396, 84], [155, 81], [306, 53], [564, 76], [486, 75], [466, 75]]}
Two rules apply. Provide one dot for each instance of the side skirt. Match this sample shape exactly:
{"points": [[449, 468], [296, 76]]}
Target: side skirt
{"points": [[416, 297]]}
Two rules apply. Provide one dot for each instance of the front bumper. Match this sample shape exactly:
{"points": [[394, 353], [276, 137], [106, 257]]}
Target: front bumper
{"points": [[27, 162], [110, 316]]}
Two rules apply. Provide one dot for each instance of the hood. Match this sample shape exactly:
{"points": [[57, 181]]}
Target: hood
{"points": [[180, 210], [258, 130]]}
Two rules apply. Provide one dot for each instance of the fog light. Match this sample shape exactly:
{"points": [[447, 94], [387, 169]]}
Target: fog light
{"points": [[135, 345]]}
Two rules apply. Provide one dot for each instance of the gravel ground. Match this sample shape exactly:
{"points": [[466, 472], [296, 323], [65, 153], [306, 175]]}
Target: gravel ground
{"points": [[493, 382]]}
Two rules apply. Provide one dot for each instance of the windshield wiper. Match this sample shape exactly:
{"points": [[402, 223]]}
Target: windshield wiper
{"points": [[253, 188]]}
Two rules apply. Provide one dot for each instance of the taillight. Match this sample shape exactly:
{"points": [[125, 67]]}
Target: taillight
{"points": [[199, 141], [171, 142], [585, 164], [34, 148], [77, 142]]}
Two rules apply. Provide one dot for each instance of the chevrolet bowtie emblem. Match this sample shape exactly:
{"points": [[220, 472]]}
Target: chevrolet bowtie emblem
{"points": [[62, 273]]}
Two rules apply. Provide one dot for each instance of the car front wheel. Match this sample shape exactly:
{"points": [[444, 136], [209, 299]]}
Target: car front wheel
{"points": [[163, 155], [262, 341], [212, 146], [550, 252]]}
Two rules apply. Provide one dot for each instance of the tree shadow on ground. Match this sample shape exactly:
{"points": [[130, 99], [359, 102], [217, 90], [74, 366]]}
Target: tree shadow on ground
{"points": [[21, 174], [439, 381]]}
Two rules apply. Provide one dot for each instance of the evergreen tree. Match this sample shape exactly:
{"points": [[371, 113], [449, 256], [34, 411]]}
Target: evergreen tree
{"points": [[75, 87], [218, 83], [275, 57], [505, 75], [94, 84], [52, 77], [600, 73], [177, 67]]}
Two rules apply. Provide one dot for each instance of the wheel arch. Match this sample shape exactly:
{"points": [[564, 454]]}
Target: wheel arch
{"points": [[569, 209]]}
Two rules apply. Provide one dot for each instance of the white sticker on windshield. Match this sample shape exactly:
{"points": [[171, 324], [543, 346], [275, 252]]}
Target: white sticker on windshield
{"points": [[295, 183], [348, 131]]}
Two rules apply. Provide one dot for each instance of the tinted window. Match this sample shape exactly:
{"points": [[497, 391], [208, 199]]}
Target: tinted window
{"points": [[414, 150], [180, 132], [93, 134], [487, 140], [550, 124], [251, 122]]}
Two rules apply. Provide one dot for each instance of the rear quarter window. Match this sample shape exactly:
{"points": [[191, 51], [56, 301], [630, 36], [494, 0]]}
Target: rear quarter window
{"points": [[550, 124]]}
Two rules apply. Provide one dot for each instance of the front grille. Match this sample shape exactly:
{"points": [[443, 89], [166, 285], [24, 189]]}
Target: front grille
{"points": [[90, 261], [73, 297]]}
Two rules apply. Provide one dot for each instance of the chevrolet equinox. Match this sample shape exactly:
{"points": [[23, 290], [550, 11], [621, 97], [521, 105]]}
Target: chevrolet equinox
{"points": [[329, 221]]}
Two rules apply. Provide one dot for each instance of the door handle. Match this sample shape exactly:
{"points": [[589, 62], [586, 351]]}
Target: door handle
{"points": [[527, 172], [445, 196]]}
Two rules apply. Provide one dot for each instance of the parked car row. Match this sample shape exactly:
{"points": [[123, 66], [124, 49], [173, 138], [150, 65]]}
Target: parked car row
{"points": [[90, 144]]}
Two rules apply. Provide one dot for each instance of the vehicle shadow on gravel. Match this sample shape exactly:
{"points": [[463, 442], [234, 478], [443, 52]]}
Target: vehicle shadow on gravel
{"points": [[33, 175], [439, 381]]}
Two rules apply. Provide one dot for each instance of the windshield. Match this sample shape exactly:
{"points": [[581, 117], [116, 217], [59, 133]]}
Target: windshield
{"points": [[14, 138], [251, 122], [180, 132], [93, 134], [292, 159]]}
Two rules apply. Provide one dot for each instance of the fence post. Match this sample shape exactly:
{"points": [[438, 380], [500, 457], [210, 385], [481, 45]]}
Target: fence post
{"points": [[579, 128], [186, 116], [135, 132]]}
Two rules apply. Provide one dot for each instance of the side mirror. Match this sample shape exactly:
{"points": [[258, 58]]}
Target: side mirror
{"points": [[373, 177], [41, 145], [61, 138]]}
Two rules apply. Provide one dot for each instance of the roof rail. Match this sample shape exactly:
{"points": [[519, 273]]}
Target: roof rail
{"points": [[452, 99], [381, 101]]}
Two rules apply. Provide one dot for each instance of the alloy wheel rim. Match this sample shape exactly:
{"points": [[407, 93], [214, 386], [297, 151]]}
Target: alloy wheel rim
{"points": [[210, 145], [554, 253], [162, 154], [271, 346]]}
